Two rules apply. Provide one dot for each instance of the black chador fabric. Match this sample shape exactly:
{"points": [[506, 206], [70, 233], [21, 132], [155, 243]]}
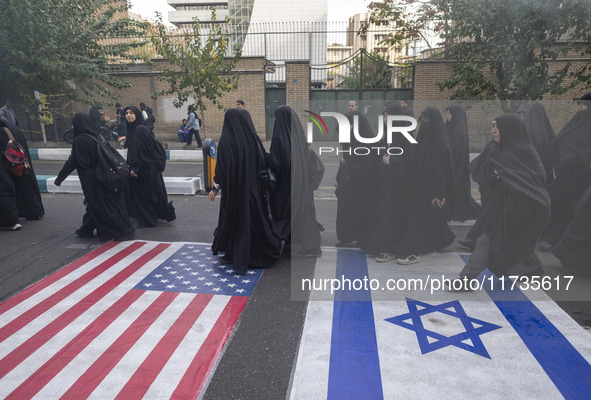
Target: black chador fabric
{"points": [[426, 229], [484, 158], [517, 203], [460, 204], [541, 134], [574, 250], [105, 209], [147, 199], [26, 189], [357, 179], [8, 210], [571, 161], [294, 214], [243, 232], [393, 196]]}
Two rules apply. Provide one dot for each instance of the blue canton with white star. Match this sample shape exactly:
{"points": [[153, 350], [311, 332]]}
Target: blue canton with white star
{"points": [[193, 269], [431, 341]]}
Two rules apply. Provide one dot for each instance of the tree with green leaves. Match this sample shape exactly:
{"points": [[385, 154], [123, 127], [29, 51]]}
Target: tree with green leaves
{"points": [[367, 71], [65, 47], [199, 66], [503, 49]]}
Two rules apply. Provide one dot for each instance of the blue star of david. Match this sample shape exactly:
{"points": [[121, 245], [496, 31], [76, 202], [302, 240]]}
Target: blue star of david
{"points": [[474, 327]]}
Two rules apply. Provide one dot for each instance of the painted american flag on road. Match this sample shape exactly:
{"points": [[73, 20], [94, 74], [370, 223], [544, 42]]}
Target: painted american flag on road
{"points": [[129, 320]]}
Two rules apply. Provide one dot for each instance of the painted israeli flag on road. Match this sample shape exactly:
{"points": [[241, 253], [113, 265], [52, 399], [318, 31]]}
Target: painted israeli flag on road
{"points": [[487, 344]]}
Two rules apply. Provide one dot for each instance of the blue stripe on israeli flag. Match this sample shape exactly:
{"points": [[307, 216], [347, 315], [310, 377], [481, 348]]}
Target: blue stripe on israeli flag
{"points": [[354, 363], [563, 363]]}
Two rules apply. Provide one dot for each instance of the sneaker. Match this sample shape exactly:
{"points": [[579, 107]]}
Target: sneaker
{"points": [[385, 257], [412, 259], [467, 243], [16, 227], [545, 246]]}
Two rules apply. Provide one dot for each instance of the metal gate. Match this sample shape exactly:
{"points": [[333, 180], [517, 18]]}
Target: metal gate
{"points": [[369, 102], [274, 97]]}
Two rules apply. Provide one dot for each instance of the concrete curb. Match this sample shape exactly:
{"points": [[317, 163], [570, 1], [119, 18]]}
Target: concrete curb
{"points": [[174, 185], [63, 154]]}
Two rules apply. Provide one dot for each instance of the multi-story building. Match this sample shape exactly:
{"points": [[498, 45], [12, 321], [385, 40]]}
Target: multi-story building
{"points": [[278, 30], [186, 10], [373, 38]]}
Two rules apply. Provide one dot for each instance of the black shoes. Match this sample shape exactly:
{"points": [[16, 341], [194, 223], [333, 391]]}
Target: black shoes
{"points": [[123, 238], [225, 260], [84, 234]]}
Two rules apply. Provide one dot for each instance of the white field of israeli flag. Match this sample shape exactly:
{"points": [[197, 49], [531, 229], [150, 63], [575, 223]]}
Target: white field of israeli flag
{"points": [[486, 344]]}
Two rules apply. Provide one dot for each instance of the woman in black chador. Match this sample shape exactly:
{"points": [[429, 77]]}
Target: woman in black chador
{"points": [[574, 249], [426, 229], [147, 199], [393, 197], [244, 232], [294, 214], [105, 208], [541, 134], [517, 203], [460, 204], [19, 197], [571, 160], [357, 180]]}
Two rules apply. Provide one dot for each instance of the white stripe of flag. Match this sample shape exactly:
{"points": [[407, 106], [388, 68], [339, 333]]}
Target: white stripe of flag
{"points": [[128, 320]]}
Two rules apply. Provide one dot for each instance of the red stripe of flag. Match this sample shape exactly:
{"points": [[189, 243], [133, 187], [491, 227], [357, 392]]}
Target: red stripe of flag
{"points": [[37, 287], [40, 338], [32, 313], [94, 375], [61, 359], [142, 379], [196, 375]]}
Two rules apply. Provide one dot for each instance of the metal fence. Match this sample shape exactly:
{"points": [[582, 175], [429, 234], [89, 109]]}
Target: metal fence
{"points": [[331, 48]]}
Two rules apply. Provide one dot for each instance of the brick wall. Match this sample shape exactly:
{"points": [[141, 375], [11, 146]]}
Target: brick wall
{"points": [[560, 108], [145, 80], [297, 86], [297, 83]]}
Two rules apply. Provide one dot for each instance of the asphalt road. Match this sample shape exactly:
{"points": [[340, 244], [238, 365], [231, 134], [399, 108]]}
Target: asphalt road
{"points": [[257, 363]]}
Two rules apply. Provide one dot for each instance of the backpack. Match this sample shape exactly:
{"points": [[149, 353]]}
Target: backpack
{"points": [[15, 158], [111, 170], [159, 155]]}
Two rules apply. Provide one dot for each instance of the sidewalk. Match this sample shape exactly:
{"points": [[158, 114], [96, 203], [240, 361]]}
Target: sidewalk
{"points": [[174, 185], [60, 151]]}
